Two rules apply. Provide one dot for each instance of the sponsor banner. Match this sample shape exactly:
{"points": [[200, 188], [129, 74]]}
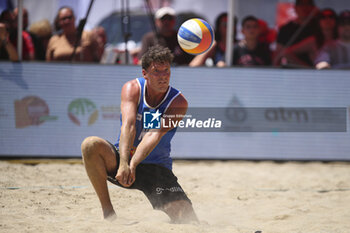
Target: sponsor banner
{"points": [[48, 109]]}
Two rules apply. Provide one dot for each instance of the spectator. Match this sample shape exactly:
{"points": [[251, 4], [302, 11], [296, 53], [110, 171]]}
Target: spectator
{"points": [[101, 38], [266, 35], [336, 54], [217, 51], [42, 31], [327, 21], [61, 45], [7, 50], [28, 49], [249, 52], [165, 36], [25, 17], [38, 44], [8, 17], [305, 25]]}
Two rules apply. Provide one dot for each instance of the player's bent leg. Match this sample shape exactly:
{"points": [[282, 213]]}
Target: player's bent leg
{"points": [[180, 211], [99, 160]]}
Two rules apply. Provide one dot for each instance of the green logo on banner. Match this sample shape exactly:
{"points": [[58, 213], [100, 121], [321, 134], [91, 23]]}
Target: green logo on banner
{"points": [[82, 111]]}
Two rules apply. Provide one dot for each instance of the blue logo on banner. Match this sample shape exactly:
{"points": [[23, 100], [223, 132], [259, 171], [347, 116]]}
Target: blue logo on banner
{"points": [[151, 120]]}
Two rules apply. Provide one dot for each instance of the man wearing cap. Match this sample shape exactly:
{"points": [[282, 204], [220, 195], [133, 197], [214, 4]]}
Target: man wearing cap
{"points": [[165, 36], [305, 25], [336, 54]]}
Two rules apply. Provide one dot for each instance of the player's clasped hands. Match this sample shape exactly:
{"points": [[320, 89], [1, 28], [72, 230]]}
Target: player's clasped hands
{"points": [[125, 175]]}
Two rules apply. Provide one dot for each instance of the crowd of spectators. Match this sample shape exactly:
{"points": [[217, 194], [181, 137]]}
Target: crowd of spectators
{"points": [[314, 39]]}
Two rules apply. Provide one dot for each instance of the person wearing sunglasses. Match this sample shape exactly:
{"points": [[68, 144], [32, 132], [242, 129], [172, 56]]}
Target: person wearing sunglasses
{"points": [[61, 45], [327, 21], [336, 54]]}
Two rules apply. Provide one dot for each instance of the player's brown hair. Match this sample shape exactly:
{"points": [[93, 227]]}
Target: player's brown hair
{"points": [[157, 54]]}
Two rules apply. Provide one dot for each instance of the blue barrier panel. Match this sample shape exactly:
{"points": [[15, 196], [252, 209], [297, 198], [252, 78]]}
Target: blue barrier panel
{"points": [[47, 109]]}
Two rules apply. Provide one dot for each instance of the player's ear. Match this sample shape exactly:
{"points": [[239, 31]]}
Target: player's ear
{"points": [[144, 73]]}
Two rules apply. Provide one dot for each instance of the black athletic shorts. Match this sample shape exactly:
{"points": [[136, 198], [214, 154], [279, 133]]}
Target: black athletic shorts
{"points": [[158, 183]]}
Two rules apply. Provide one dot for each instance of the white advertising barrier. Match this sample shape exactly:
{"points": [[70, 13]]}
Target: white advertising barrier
{"points": [[47, 109]]}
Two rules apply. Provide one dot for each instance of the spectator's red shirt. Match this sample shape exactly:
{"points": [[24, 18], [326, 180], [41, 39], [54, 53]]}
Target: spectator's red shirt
{"points": [[28, 51]]}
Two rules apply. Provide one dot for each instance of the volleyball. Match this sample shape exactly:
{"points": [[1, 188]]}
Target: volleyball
{"points": [[195, 36]]}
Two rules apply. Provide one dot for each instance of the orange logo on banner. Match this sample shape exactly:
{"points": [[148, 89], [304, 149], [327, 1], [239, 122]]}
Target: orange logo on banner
{"points": [[31, 110]]}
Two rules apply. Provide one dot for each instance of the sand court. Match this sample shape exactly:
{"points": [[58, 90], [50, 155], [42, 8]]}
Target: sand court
{"points": [[228, 196]]}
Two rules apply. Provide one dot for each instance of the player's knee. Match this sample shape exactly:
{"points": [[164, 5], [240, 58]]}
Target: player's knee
{"points": [[89, 147]]}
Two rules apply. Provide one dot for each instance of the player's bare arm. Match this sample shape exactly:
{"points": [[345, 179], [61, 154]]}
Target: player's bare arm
{"points": [[129, 101], [150, 140]]}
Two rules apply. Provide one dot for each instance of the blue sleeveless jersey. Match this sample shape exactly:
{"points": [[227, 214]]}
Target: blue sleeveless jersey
{"points": [[161, 153]]}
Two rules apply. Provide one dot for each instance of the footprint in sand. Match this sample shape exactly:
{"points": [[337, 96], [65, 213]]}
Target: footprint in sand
{"points": [[281, 217]]}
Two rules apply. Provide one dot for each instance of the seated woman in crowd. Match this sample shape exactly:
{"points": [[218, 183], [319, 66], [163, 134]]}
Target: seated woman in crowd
{"points": [[327, 21], [217, 51], [336, 53], [61, 45]]}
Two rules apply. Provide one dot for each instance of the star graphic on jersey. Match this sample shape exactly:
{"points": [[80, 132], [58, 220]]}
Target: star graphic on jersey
{"points": [[156, 115]]}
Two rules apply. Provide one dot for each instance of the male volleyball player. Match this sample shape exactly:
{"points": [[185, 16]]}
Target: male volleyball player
{"points": [[141, 158]]}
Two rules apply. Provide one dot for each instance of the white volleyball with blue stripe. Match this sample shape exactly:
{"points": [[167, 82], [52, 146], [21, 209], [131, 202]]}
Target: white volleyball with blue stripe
{"points": [[195, 36]]}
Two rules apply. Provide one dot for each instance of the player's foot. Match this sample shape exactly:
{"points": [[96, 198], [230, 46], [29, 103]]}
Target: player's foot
{"points": [[109, 215]]}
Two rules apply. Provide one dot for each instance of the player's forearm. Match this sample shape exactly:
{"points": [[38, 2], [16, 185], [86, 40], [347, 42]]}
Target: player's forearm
{"points": [[148, 143], [126, 141]]}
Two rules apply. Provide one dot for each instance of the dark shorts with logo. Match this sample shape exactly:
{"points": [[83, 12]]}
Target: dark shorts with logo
{"points": [[158, 183]]}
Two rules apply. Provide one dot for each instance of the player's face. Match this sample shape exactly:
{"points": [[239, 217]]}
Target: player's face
{"points": [[158, 76]]}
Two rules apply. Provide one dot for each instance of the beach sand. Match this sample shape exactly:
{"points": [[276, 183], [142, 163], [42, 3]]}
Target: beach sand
{"points": [[228, 196]]}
